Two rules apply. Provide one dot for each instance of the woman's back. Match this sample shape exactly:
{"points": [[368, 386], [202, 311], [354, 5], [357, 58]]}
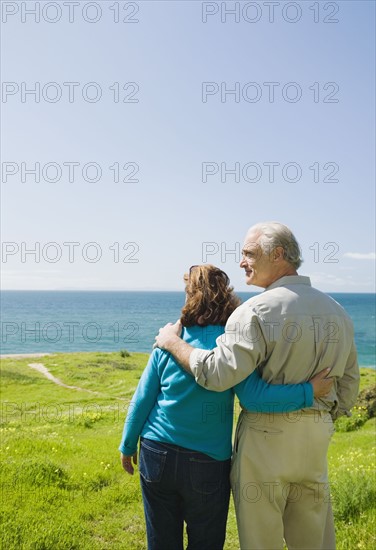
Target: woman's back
{"points": [[175, 409]]}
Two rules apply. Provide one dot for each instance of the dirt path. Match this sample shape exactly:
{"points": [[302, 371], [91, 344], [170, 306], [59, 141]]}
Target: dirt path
{"points": [[44, 370]]}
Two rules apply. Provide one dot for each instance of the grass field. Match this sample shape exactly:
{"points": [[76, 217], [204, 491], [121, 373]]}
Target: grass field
{"points": [[62, 483]]}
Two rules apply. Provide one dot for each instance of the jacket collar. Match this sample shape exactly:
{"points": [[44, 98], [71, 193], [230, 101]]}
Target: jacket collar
{"points": [[290, 280]]}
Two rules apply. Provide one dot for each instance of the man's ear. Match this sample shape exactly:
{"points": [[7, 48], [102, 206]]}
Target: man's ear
{"points": [[278, 254]]}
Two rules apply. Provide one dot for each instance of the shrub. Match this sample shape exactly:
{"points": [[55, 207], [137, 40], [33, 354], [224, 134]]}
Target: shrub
{"points": [[359, 417]]}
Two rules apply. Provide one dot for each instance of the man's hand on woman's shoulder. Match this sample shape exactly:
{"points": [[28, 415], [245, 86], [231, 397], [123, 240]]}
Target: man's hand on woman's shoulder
{"points": [[167, 335]]}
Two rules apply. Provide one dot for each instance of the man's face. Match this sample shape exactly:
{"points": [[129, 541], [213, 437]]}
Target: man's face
{"points": [[259, 268]]}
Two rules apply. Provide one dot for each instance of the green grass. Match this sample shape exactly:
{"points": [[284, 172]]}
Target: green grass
{"points": [[62, 483]]}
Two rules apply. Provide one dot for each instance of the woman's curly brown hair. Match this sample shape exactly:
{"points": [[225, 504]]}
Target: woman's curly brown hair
{"points": [[210, 299]]}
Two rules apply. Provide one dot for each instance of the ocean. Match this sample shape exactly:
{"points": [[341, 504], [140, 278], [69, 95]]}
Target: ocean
{"points": [[67, 321]]}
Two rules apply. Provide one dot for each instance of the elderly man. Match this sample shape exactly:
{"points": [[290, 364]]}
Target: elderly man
{"points": [[290, 332]]}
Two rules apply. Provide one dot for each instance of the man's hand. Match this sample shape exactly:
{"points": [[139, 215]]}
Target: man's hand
{"points": [[169, 340], [321, 384], [126, 462], [168, 335]]}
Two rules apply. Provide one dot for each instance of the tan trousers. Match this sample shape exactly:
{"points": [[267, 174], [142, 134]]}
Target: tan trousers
{"points": [[279, 481]]}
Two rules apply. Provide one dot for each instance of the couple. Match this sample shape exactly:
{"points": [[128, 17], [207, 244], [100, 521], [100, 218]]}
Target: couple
{"points": [[288, 333]]}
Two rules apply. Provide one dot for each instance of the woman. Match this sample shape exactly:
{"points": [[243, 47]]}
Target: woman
{"points": [[185, 448]]}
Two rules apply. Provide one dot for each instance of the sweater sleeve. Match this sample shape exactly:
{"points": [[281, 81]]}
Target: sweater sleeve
{"points": [[256, 395], [141, 404]]}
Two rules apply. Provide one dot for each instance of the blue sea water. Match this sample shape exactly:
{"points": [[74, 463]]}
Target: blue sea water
{"points": [[53, 321]]}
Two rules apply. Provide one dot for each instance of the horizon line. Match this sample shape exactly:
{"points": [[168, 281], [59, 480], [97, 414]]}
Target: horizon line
{"points": [[150, 290]]}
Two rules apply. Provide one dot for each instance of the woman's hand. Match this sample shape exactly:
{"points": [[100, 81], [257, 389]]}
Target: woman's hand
{"points": [[126, 462], [321, 384]]}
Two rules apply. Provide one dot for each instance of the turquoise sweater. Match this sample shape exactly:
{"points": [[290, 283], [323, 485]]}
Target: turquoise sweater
{"points": [[169, 406]]}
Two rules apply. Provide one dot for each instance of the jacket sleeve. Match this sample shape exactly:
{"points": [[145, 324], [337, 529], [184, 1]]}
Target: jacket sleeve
{"points": [[239, 351], [347, 386], [141, 404], [256, 395]]}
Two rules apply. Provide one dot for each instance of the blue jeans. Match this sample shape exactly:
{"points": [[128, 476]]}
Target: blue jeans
{"points": [[180, 485]]}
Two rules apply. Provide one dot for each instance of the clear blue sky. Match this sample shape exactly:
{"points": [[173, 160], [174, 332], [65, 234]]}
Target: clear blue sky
{"points": [[175, 132]]}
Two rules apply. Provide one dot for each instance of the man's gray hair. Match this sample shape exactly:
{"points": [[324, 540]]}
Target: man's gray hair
{"points": [[275, 234]]}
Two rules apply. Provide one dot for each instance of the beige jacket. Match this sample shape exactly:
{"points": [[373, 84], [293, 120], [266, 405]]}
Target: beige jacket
{"points": [[290, 332]]}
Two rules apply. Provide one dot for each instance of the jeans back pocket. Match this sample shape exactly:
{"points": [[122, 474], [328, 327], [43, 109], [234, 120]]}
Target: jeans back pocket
{"points": [[152, 462]]}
